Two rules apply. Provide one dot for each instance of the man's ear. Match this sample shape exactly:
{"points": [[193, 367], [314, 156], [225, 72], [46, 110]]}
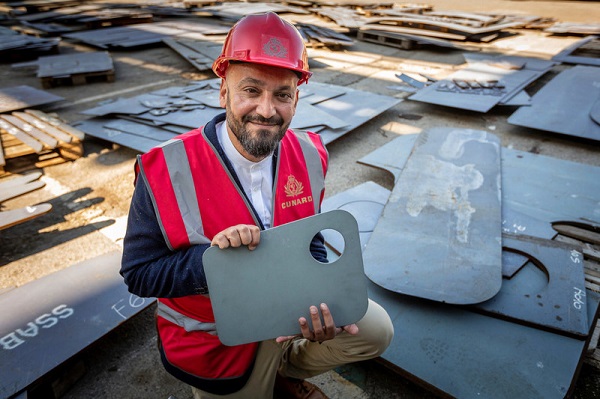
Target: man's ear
{"points": [[223, 93]]}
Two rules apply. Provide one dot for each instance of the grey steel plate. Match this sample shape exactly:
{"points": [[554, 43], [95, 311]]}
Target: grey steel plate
{"points": [[268, 289], [514, 222], [48, 321], [130, 127], [440, 232], [549, 292], [146, 33], [391, 156], [550, 189], [330, 110], [480, 100], [576, 54], [531, 297], [365, 202], [200, 53], [509, 61], [564, 104], [19, 97], [470, 355], [97, 127], [536, 189], [71, 64]]}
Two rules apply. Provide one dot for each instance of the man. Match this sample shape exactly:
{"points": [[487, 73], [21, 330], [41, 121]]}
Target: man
{"points": [[221, 185]]}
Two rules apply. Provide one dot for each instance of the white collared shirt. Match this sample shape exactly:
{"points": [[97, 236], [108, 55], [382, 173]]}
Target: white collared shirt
{"points": [[256, 177]]}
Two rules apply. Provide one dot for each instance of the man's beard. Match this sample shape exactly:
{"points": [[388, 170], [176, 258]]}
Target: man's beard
{"points": [[264, 142]]}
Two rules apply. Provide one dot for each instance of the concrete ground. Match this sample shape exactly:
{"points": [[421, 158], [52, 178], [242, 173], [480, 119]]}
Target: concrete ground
{"points": [[91, 195]]}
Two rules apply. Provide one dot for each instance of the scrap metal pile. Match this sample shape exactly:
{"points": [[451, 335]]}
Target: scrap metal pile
{"points": [[472, 254]]}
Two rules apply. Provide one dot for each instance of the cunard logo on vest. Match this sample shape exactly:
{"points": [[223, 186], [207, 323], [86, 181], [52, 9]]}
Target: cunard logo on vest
{"points": [[294, 188], [275, 48]]}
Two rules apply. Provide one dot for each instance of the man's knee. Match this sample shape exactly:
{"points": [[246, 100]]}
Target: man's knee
{"points": [[376, 328]]}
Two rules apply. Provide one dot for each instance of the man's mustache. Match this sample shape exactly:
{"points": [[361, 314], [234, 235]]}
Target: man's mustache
{"points": [[274, 120]]}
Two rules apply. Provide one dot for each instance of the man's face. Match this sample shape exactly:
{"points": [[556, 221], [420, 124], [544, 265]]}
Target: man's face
{"points": [[260, 102]]}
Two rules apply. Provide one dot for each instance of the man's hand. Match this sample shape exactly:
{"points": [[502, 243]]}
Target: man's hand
{"points": [[236, 236], [321, 331]]}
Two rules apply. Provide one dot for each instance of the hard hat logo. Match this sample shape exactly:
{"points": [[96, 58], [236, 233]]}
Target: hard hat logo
{"points": [[274, 48]]}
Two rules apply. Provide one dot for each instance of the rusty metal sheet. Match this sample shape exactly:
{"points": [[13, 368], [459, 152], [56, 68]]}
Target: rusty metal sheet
{"points": [[54, 312], [440, 232], [564, 104], [282, 276]]}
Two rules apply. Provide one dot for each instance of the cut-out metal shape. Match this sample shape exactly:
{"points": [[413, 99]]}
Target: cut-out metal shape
{"points": [[260, 294], [439, 234], [560, 303]]}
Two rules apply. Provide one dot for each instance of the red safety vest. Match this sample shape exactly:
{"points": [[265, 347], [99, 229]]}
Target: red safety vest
{"points": [[195, 197]]}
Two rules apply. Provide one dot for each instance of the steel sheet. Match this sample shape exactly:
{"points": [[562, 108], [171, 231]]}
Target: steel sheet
{"points": [[440, 232], [266, 290]]}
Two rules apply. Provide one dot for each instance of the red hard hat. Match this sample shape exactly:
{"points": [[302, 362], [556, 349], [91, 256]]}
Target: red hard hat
{"points": [[264, 39]]}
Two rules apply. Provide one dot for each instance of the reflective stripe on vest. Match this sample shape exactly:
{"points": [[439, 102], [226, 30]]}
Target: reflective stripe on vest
{"points": [[187, 323], [178, 205], [314, 165]]}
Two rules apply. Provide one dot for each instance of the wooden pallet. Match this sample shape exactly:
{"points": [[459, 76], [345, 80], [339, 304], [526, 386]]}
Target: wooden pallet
{"points": [[78, 79], [36, 139], [587, 238]]}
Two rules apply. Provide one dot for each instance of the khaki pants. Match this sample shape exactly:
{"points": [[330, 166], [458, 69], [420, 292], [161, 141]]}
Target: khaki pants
{"points": [[303, 359]]}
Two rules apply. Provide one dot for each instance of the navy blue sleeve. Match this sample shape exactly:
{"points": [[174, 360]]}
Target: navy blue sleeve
{"points": [[148, 266], [317, 248]]}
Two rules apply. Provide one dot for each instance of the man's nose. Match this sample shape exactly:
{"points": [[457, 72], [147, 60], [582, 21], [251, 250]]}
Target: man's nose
{"points": [[266, 106]]}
